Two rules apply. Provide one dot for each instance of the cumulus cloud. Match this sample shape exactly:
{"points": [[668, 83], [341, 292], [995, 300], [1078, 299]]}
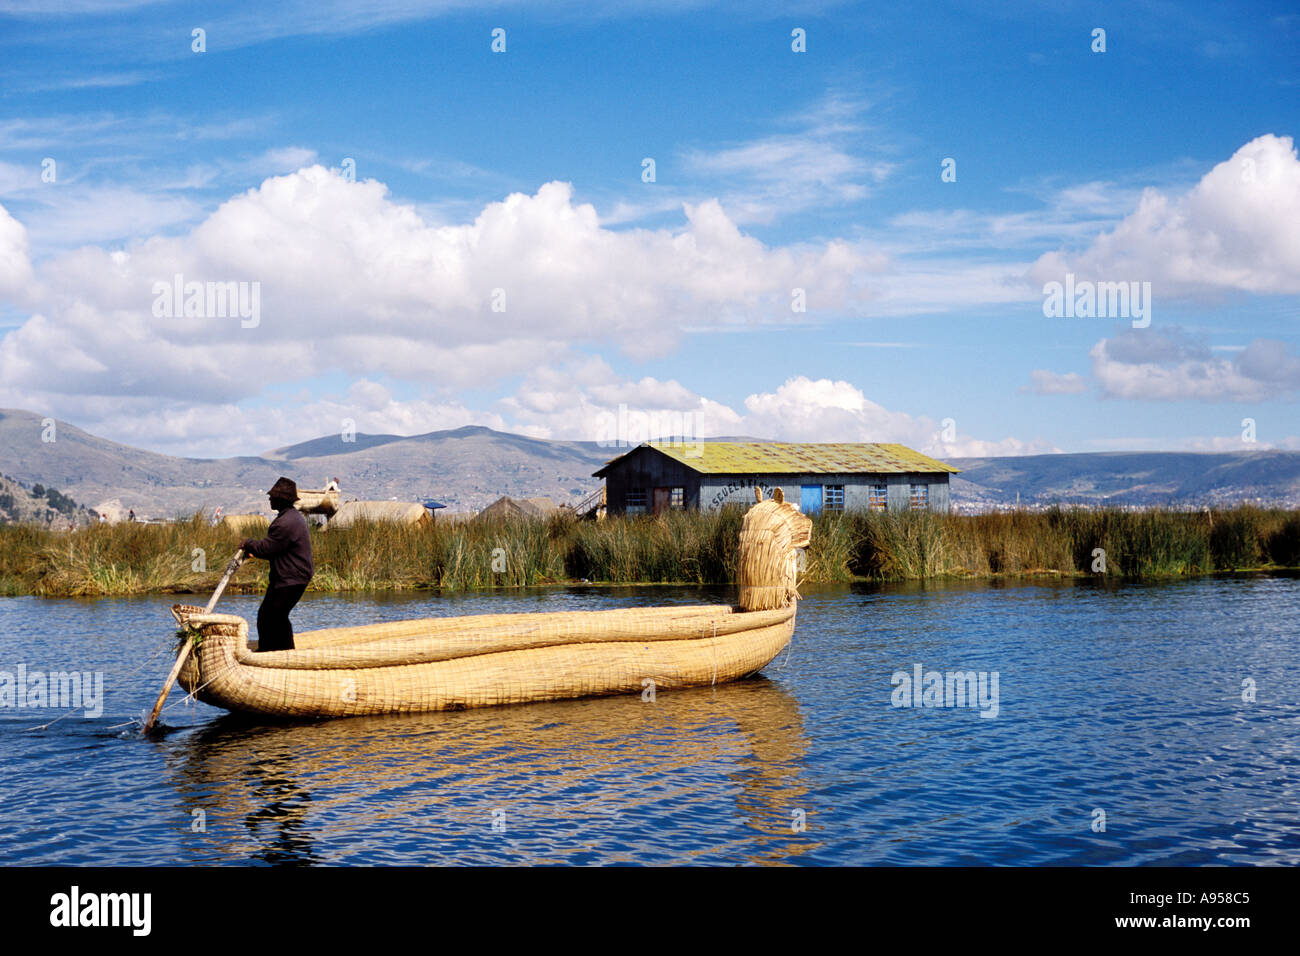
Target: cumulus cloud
{"points": [[584, 399], [352, 282], [804, 409], [579, 399], [832, 410], [588, 400], [15, 265], [353, 285], [1238, 229], [1169, 365]]}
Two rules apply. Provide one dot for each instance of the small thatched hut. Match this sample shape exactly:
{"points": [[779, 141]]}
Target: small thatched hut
{"points": [[396, 512], [506, 508]]}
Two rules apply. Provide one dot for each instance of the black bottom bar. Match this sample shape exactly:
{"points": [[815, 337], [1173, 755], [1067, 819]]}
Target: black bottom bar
{"points": [[334, 904]]}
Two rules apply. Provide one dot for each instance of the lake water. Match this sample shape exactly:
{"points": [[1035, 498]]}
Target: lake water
{"points": [[1124, 700]]}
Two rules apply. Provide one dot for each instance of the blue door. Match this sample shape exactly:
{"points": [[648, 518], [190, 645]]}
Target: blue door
{"points": [[810, 502]]}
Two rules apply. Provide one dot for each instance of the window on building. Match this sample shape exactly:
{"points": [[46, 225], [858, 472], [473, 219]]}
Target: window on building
{"points": [[677, 499], [920, 497], [635, 501], [877, 497], [833, 497]]}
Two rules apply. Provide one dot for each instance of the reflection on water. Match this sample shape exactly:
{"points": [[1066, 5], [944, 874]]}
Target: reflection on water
{"points": [[1122, 698], [537, 784], [278, 824]]}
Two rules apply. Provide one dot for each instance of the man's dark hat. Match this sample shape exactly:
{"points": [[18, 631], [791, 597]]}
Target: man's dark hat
{"points": [[284, 488]]}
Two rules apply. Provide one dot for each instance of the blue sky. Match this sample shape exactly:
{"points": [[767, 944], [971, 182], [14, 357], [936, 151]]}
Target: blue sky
{"points": [[1168, 158]]}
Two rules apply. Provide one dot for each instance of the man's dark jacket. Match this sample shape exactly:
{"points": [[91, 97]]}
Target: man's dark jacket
{"points": [[287, 546]]}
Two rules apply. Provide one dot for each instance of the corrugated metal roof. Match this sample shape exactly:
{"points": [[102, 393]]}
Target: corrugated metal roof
{"points": [[739, 458]]}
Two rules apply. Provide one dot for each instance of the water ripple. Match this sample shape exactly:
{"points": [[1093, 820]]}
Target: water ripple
{"points": [[1122, 701]]}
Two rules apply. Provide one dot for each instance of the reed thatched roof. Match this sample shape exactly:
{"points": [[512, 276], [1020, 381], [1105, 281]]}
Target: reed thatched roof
{"points": [[397, 512], [505, 508], [317, 501]]}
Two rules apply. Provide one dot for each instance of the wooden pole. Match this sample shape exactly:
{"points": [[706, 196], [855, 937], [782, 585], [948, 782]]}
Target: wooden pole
{"points": [[184, 654]]}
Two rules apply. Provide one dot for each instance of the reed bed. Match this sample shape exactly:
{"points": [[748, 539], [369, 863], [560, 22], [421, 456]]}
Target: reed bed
{"points": [[678, 547]]}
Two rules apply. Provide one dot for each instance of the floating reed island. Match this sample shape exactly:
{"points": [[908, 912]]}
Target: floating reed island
{"points": [[672, 548]]}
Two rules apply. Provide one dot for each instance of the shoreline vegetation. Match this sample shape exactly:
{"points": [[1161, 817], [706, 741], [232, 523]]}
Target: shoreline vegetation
{"points": [[188, 556]]}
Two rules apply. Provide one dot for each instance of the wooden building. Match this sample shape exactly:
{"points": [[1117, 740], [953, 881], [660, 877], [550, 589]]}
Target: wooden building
{"points": [[659, 475]]}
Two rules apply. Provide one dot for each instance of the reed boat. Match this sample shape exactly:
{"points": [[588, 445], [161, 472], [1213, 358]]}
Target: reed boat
{"points": [[455, 663], [317, 501]]}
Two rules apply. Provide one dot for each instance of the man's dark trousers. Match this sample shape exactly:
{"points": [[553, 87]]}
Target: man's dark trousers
{"points": [[274, 630]]}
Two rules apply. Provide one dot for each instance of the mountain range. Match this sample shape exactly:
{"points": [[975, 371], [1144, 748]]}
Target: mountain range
{"points": [[1266, 477], [467, 468]]}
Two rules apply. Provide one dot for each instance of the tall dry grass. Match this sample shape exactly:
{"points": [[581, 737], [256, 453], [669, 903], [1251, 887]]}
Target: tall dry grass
{"points": [[677, 547]]}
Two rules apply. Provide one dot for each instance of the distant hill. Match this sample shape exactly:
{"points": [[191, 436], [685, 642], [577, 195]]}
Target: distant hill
{"points": [[40, 504], [1132, 478], [465, 468], [468, 468]]}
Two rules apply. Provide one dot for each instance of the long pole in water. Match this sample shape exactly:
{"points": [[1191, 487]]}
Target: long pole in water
{"points": [[184, 654]]}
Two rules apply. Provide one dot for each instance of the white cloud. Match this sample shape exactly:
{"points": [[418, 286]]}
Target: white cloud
{"points": [[1167, 365], [71, 214], [582, 401], [578, 398], [79, 179], [821, 163], [1225, 443], [803, 409], [1238, 229], [1003, 448], [81, 134], [1206, 443], [829, 410], [353, 282], [89, 81], [953, 259], [15, 265], [1070, 213], [791, 172]]}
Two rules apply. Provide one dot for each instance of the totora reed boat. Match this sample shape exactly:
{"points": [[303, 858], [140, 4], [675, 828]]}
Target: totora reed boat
{"points": [[491, 659]]}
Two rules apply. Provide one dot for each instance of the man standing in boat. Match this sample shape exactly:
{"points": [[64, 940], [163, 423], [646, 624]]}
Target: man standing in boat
{"points": [[287, 546]]}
